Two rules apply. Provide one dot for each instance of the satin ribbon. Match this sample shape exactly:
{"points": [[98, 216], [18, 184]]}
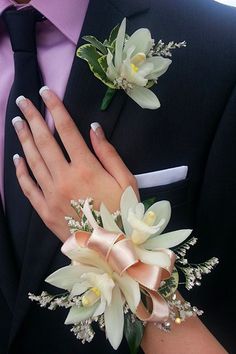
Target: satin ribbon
{"points": [[119, 253]]}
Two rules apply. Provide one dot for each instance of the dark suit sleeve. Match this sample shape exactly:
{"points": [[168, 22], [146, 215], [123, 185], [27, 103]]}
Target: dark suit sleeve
{"points": [[216, 229]]}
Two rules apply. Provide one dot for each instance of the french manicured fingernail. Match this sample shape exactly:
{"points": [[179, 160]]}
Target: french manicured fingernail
{"points": [[16, 159], [96, 127], [18, 123], [21, 102], [44, 92]]}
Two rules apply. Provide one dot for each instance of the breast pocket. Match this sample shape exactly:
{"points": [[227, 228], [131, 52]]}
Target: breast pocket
{"points": [[177, 194]]}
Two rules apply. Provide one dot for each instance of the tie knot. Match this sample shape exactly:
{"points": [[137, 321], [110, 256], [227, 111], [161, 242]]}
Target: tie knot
{"points": [[21, 28]]}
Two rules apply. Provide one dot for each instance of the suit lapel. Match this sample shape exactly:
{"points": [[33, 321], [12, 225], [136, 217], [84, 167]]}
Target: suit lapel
{"points": [[83, 97], [8, 271]]}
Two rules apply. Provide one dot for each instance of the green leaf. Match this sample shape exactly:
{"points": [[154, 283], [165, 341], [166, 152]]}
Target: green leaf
{"points": [[96, 43], [113, 34], [133, 333], [171, 285], [150, 84], [88, 53], [148, 202], [108, 98], [103, 63]]}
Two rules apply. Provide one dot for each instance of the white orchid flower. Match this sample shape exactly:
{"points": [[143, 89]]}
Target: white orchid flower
{"points": [[102, 291], [132, 67], [145, 229]]}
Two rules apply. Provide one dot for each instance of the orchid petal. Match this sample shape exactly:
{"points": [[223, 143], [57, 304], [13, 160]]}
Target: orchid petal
{"points": [[111, 70], [101, 307], [160, 66], [139, 210], [66, 277], [89, 257], [108, 221], [114, 319], [80, 288], [142, 41], [78, 314], [130, 289], [145, 70], [160, 259], [120, 44], [162, 210], [144, 97], [128, 200], [167, 240]]}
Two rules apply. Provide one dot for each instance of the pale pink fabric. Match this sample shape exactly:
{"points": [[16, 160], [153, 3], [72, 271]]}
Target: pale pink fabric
{"points": [[56, 43]]}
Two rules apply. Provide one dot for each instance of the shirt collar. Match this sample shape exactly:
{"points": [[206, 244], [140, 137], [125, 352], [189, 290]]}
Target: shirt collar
{"points": [[68, 16]]}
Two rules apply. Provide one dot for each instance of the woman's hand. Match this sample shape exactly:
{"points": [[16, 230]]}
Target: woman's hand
{"points": [[102, 177]]}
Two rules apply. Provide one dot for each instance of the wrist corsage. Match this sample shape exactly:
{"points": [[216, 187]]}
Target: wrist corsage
{"points": [[124, 271]]}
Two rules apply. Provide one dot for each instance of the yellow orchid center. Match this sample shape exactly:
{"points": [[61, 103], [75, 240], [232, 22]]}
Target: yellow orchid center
{"points": [[134, 68], [149, 218], [91, 297], [136, 61]]}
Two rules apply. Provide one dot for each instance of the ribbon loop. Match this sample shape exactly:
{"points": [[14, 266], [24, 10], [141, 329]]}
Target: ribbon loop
{"points": [[119, 252]]}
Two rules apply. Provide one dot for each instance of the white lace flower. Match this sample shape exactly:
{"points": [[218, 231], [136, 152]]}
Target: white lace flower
{"points": [[133, 68], [102, 291]]}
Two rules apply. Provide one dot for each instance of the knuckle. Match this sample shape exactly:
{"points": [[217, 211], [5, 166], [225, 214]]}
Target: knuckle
{"points": [[42, 140], [23, 135], [108, 150], [34, 164], [66, 125], [27, 192], [30, 112]]}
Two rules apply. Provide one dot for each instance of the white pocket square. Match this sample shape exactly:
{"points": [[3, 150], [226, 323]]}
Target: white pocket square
{"points": [[161, 177]]}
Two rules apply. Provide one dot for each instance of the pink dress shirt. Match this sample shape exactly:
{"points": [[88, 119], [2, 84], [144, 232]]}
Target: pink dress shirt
{"points": [[56, 42]]}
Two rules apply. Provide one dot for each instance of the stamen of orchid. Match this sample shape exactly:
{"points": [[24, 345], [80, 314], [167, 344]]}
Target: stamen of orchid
{"points": [[91, 297], [138, 238], [138, 59], [149, 218]]}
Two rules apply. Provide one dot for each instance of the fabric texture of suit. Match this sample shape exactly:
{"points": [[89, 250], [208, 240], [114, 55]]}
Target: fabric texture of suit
{"points": [[195, 126]]}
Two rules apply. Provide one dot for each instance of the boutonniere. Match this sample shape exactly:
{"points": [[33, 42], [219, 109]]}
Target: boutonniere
{"points": [[130, 63]]}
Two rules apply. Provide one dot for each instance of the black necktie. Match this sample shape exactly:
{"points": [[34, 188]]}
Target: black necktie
{"points": [[27, 81]]}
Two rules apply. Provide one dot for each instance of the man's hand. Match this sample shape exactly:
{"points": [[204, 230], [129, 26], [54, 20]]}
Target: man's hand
{"points": [[102, 177]]}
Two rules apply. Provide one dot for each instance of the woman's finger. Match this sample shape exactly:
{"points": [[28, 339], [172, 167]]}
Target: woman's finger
{"points": [[43, 138], [109, 158], [65, 126], [29, 187], [33, 157]]}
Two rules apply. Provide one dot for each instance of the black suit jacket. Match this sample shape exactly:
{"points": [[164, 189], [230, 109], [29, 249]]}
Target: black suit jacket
{"points": [[195, 126]]}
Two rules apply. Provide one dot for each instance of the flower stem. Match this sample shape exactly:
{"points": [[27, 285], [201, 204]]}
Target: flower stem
{"points": [[110, 93]]}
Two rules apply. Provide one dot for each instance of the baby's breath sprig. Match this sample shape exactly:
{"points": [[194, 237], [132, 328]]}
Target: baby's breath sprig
{"points": [[164, 50]]}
